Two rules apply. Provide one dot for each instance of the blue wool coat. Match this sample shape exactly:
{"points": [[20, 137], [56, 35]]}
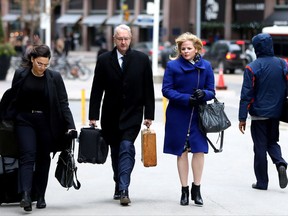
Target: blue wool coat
{"points": [[181, 79]]}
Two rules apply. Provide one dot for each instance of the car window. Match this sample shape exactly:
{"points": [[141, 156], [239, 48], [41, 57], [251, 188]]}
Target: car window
{"points": [[235, 47]]}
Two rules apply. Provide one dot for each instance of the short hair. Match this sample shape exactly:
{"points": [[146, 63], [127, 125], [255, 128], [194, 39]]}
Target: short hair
{"points": [[122, 27]]}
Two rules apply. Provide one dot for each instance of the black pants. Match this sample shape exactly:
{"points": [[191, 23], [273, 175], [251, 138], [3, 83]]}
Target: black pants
{"points": [[34, 139], [265, 135]]}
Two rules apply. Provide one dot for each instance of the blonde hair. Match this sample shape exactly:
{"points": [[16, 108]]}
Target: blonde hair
{"points": [[187, 36]]}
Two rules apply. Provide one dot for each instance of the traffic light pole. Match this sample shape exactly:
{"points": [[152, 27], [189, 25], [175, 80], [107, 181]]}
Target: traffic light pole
{"points": [[155, 37]]}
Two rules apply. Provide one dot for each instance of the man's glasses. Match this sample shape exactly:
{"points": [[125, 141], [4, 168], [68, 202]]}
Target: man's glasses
{"points": [[40, 65], [124, 38]]}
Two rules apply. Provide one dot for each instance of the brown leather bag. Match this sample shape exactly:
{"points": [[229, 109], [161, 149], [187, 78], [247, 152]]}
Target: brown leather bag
{"points": [[149, 148]]}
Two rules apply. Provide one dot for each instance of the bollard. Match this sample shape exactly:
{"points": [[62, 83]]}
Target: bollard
{"points": [[164, 102], [83, 106]]}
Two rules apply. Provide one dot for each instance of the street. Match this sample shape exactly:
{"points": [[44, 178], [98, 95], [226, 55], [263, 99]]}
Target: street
{"points": [[226, 183]]}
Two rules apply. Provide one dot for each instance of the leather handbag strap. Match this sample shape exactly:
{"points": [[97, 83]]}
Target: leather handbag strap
{"points": [[76, 184], [221, 134]]}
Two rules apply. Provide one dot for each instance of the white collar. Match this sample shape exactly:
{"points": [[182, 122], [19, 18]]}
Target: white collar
{"points": [[119, 55]]}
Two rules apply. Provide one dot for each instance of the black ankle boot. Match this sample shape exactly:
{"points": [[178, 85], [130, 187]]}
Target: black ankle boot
{"points": [[41, 202], [196, 195], [26, 202], [185, 196]]}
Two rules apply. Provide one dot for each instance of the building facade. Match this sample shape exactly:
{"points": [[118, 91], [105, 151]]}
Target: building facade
{"points": [[91, 22]]}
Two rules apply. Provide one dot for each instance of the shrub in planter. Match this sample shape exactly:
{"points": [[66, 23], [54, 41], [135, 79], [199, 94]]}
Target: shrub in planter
{"points": [[6, 52]]}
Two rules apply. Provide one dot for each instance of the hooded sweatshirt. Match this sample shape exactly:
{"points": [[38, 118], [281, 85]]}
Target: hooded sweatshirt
{"points": [[264, 83]]}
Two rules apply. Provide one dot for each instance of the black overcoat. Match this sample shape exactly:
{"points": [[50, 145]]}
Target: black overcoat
{"points": [[128, 95], [59, 113]]}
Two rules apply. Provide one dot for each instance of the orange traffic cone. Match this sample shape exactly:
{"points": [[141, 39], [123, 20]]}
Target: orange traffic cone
{"points": [[221, 85]]}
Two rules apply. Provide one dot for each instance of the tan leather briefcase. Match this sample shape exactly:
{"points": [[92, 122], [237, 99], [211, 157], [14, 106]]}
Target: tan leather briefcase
{"points": [[148, 145]]}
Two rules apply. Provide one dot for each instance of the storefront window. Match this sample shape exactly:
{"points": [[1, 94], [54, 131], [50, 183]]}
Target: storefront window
{"points": [[75, 4], [99, 4], [282, 2], [14, 5]]}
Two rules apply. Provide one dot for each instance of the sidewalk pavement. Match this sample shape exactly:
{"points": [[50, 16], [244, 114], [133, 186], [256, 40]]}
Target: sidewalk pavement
{"points": [[226, 183]]}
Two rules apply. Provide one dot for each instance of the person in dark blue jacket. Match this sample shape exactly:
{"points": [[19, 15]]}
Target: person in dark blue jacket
{"points": [[188, 80], [262, 96]]}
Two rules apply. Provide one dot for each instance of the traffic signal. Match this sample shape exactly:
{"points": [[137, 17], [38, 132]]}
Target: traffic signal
{"points": [[126, 15]]}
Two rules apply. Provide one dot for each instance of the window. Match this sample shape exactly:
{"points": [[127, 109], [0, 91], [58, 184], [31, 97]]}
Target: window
{"points": [[98, 4], [14, 5], [75, 4]]}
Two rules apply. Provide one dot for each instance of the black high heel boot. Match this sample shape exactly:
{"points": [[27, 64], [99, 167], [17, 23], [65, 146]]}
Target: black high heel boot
{"points": [[41, 202], [196, 195], [185, 196], [26, 202]]}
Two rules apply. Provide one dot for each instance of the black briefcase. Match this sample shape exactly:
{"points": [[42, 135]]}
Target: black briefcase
{"points": [[92, 146]]}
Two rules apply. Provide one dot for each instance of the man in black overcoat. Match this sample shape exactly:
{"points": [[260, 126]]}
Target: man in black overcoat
{"points": [[124, 76]]}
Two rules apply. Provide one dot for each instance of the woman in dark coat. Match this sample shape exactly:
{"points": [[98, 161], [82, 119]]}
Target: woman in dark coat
{"points": [[42, 118], [188, 80]]}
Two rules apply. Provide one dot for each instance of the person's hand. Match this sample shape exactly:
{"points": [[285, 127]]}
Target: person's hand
{"points": [[147, 122], [193, 101], [72, 133], [93, 123], [199, 94], [242, 126]]}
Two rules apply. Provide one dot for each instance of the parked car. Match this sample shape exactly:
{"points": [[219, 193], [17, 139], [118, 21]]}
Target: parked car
{"points": [[147, 48], [250, 54], [228, 55]]}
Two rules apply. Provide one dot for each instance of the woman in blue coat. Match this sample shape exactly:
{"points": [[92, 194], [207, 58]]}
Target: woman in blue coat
{"points": [[188, 81]]}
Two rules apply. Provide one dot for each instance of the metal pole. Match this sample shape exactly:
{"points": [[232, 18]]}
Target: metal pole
{"points": [[155, 36], [198, 19], [48, 23]]}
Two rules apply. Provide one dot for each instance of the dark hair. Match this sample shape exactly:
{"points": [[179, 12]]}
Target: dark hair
{"points": [[35, 52]]}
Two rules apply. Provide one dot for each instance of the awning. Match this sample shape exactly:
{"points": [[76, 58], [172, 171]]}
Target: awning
{"points": [[277, 18], [117, 20], [94, 20], [68, 19], [145, 20], [30, 17], [10, 17]]}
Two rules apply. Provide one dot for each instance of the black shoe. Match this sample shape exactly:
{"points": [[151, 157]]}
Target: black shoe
{"points": [[124, 198], [282, 176], [117, 195], [184, 196], [196, 195], [255, 186], [26, 202], [28, 208], [41, 202]]}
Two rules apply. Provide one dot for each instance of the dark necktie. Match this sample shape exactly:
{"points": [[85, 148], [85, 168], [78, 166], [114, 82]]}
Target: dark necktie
{"points": [[123, 63]]}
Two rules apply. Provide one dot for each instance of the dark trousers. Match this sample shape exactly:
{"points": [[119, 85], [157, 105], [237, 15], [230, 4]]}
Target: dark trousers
{"points": [[123, 160], [265, 135], [34, 139]]}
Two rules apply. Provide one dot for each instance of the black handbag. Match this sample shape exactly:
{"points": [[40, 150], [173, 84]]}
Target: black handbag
{"points": [[92, 146], [213, 118], [66, 169]]}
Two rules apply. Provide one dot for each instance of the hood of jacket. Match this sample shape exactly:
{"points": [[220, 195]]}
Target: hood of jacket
{"points": [[263, 45]]}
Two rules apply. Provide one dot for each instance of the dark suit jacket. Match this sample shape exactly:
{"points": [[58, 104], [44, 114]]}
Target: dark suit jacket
{"points": [[60, 116], [128, 94]]}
